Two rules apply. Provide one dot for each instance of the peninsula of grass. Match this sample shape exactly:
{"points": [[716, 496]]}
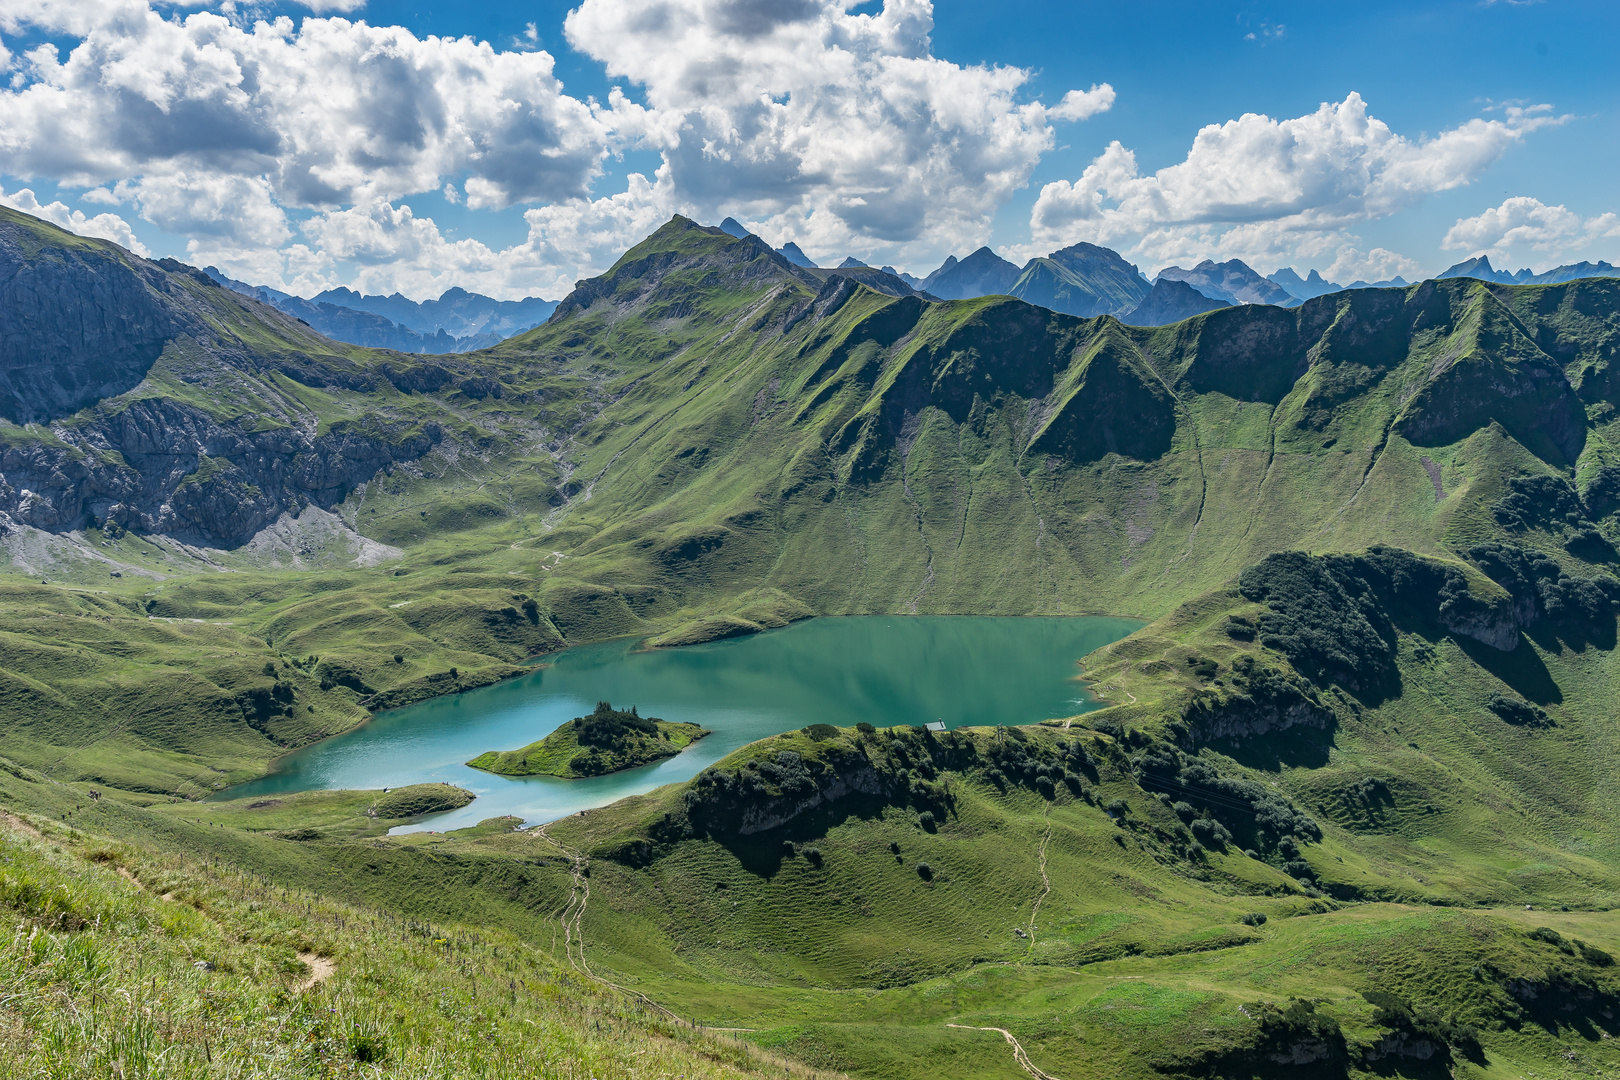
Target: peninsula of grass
{"points": [[606, 741]]}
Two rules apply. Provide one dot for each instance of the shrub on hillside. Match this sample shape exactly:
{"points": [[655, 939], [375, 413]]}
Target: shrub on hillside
{"points": [[1418, 1025], [821, 732], [1518, 711], [1244, 808], [1335, 616], [1211, 833], [925, 871], [337, 671], [1239, 627]]}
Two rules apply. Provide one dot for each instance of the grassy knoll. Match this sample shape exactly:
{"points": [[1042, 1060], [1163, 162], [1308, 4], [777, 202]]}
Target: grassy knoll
{"points": [[606, 741]]}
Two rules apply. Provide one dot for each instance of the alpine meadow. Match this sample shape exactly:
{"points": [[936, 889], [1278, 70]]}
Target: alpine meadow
{"points": [[1332, 789]]}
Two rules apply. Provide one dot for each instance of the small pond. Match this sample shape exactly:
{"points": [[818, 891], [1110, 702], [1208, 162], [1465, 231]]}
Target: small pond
{"points": [[885, 670]]}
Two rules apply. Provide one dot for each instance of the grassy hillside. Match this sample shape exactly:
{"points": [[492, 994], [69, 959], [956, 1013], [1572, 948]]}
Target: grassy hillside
{"points": [[124, 962], [1407, 805], [1309, 829]]}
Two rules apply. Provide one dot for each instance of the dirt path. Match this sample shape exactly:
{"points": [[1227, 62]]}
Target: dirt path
{"points": [[1018, 1051], [17, 824], [571, 918], [321, 968], [573, 912], [1046, 887]]}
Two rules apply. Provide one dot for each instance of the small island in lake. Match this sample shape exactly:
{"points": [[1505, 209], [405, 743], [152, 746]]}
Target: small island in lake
{"points": [[605, 741]]}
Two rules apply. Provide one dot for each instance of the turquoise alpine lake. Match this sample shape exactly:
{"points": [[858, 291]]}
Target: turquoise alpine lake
{"points": [[885, 670]]}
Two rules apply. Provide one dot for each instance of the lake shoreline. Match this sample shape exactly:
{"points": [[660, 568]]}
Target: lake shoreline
{"points": [[885, 669]]}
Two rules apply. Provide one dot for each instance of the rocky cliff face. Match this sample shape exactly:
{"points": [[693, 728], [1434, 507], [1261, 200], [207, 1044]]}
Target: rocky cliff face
{"points": [[79, 321], [163, 467], [83, 324]]}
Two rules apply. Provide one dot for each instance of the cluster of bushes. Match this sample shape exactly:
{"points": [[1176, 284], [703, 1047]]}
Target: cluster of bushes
{"points": [[609, 728], [716, 796], [1221, 808], [1206, 830], [260, 703], [1549, 502], [1544, 590], [1572, 946], [1411, 1027], [1014, 759], [336, 671], [1335, 616], [1518, 711], [1538, 502], [1291, 1034]]}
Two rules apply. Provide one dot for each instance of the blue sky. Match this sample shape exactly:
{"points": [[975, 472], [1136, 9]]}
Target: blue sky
{"points": [[298, 157]]}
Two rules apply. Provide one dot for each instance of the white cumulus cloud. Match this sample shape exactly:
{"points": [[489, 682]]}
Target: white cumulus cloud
{"points": [[330, 113], [1083, 104], [1522, 224], [1264, 189], [840, 131]]}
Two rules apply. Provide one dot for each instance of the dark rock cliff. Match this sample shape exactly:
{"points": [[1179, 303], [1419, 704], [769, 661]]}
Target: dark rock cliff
{"points": [[83, 323], [79, 321]]}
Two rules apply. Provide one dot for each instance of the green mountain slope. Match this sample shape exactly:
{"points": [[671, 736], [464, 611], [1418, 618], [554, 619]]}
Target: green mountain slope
{"points": [[1375, 532], [865, 453], [709, 440]]}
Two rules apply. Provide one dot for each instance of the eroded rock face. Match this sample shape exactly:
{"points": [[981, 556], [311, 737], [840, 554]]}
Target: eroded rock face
{"points": [[165, 467], [834, 786], [77, 324]]}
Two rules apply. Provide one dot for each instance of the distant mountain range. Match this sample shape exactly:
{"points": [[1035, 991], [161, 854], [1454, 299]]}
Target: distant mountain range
{"points": [[458, 321], [1087, 280], [1481, 268]]}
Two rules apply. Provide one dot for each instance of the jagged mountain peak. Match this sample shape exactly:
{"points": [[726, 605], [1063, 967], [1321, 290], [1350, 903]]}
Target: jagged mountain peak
{"points": [[1311, 285], [983, 273], [1477, 267], [1170, 301], [791, 252], [1233, 281]]}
